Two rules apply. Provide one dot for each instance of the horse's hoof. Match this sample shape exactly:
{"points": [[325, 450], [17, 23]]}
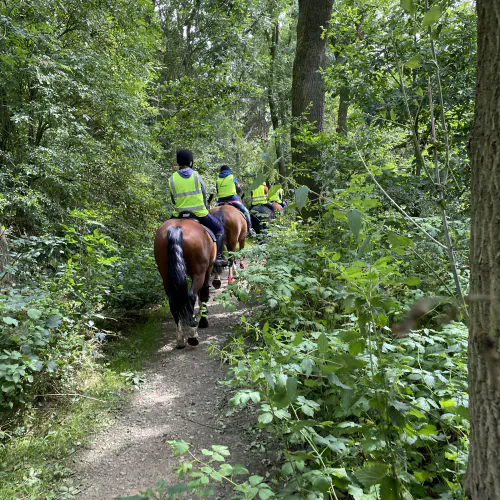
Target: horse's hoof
{"points": [[242, 265], [203, 322], [181, 346], [193, 341], [216, 283]]}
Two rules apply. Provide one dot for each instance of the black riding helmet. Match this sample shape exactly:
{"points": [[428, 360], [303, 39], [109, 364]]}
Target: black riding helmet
{"points": [[184, 158], [224, 167]]}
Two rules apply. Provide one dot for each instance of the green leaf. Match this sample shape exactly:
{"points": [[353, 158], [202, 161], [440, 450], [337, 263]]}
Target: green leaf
{"points": [[10, 321], [53, 321], [364, 246], [226, 470], [322, 483], [265, 493], [414, 62], [393, 115], [415, 281], [323, 343], [432, 16], [372, 474], [255, 480], [301, 195], [291, 388], [239, 470], [265, 418], [354, 218], [34, 314], [260, 179], [180, 447], [389, 489], [408, 6], [273, 190]]}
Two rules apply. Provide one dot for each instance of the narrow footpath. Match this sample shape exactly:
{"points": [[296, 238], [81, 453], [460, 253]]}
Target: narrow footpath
{"points": [[181, 399]]}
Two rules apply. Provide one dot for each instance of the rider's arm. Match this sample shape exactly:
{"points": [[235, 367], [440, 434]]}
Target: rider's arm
{"points": [[239, 190], [204, 191]]}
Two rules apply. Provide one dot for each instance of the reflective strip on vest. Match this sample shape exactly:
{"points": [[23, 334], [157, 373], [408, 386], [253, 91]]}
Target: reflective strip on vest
{"points": [[278, 196], [188, 195], [225, 186], [259, 196]]}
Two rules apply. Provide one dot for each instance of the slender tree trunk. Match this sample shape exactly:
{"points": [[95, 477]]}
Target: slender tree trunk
{"points": [[308, 93], [273, 108], [342, 112], [483, 477]]}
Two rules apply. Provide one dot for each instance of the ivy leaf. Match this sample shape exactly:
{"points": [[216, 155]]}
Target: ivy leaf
{"points": [[432, 16], [372, 474], [354, 219], [301, 195]]}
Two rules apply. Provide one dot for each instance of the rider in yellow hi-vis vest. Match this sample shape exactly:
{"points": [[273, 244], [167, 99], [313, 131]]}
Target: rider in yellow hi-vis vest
{"points": [[190, 199], [278, 197], [228, 189], [259, 197]]}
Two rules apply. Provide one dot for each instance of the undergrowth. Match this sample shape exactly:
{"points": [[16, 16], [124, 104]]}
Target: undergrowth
{"points": [[35, 453]]}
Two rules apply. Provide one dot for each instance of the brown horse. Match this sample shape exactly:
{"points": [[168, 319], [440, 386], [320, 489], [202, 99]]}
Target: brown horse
{"points": [[277, 207], [183, 248], [235, 228]]}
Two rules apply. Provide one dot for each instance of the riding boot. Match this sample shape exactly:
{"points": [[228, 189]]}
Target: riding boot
{"points": [[219, 260], [251, 231]]}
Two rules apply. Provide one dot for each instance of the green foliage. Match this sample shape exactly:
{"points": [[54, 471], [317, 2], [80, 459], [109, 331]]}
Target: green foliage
{"points": [[356, 408]]}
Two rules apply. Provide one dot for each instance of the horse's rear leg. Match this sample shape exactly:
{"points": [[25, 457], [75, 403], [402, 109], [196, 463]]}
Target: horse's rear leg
{"points": [[196, 286], [181, 339], [203, 297], [242, 246]]}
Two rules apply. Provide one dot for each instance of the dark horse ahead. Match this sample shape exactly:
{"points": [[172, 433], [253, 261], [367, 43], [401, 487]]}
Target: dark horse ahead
{"points": [[183, 248]]}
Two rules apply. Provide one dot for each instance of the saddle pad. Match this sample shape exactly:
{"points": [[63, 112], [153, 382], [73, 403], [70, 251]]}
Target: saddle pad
{"points": [[229, 203], [193, 217]]}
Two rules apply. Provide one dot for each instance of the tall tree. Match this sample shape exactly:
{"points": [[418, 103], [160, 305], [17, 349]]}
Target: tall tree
{"points": [[308, 92], [483, 480]]}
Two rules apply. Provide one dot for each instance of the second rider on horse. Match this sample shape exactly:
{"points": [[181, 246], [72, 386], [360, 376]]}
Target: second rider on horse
{"points": [[190, 199], [228, 189]]}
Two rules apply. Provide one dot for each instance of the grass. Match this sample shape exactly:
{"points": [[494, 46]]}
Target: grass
{"points": [[35, 462]]}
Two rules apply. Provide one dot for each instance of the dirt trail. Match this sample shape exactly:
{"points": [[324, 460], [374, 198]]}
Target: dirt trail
{"points": [[181, 400]]}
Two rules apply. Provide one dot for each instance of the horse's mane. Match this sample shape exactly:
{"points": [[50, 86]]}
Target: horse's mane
{"points": [[219, 215]]}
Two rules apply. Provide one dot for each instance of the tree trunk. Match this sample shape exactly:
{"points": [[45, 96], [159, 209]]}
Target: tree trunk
{"points": [[483, 478], [308, 93], [343, 108], [273, 108]]}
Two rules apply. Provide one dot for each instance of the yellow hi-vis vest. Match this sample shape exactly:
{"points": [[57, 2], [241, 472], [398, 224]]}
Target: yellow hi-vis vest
{"points": [[259, 196], [187, 193], [278, 196], [226, 186]]}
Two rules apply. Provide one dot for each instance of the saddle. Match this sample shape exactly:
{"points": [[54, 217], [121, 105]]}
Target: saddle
{"points": [[190, 215], [231, 203]]}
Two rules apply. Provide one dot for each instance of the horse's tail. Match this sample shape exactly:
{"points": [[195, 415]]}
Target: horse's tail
{"points": [[179, 297]]}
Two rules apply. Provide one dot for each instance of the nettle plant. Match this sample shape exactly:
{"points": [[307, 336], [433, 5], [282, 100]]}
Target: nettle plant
{"points": [[358, 410]]}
